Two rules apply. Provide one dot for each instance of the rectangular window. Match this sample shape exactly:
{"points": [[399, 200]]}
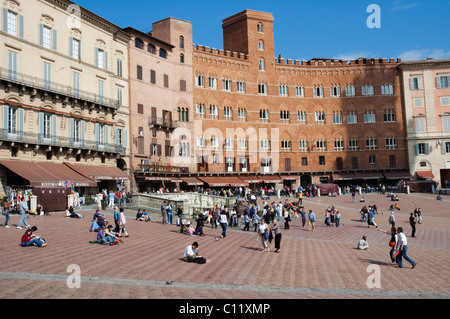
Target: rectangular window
{"points": [[447, 148], [304, 161], [420, 125], [422, 149], [367, 90], [46, 126], [76, 84], [371, 143], [352, 118], [339, 145], [415, 83], [139, 72], [226, 85], [152, 76], [387, 89], [12, 65], [391, 143], [445, 100], [319, 116], [199, 81], [11, 22], [166, 81], [119, 96], [74, 48], [301, 116], [369, 117], [321, 160], [350, 91], [12, 120], [418, 102], [262, 89], [299, 91], [212, 83], [337, 118], [446, 124], [389, 116], [47, 76], [240, 87], [353, 144], [443, 81], [119, 68], [101, 59], [372, 159], [335, 91], [318, 92], [283, 90]]}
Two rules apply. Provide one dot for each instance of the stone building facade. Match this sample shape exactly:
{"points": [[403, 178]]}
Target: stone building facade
{"points": [[427, 111], [63, 94]]}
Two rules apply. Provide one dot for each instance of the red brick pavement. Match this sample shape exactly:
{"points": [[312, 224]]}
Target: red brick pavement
{"points": [[319, 264]]}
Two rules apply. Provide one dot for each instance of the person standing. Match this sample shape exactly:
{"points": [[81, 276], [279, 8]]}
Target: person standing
{"points": [[246, 221], [23, 207], [169, 212], [327, 217], [111, 198], [392, 219], [300, 197], [256, 220], [337, 218], [179, 215], [412, 223], [303, 216], [163, 212], [6, 208], [353, 196], [402, 248], [116, 219], [311, 220], [277, 231], [287, 219], [263, 234]]}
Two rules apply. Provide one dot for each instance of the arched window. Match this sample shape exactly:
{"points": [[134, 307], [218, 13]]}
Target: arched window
{"points": [[181, 42], [181, 58], [151, 48], [260, 28], [163, 53], [138, 43]]}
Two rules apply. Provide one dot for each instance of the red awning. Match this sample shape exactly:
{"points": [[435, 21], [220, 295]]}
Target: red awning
{"points": [[270, 179], [224, 181], [48, 174], [397, 175], [192, 181], [250, 179], [101, 173], [425, 174]]}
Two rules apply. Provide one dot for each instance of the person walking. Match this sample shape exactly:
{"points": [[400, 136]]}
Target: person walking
{"points": [[116, 219], [23, 207], [256, 220], [111, 198], [402, 248], [327, 218], [277, 231], [122, 223], [169, 212], [392, 243], [371, 219], [246, 222], [215, 217], [303, 216], [412, 223], [179, 215], [223, 219], [263, 235], [6, 208], [287, 219], [311, 220]]}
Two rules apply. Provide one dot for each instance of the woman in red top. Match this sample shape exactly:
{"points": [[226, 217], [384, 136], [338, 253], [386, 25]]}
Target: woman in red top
{"points": [[28, 239]]}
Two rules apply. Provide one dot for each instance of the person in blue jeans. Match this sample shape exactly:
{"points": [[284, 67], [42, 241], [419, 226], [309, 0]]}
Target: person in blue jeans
{"points": [[29, 240], [169, 211], [402, 247], [23, 207], [223, 218], [6, 209]]}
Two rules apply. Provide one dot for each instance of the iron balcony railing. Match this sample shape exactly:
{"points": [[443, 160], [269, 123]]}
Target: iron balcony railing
{"points": [[60, 141], [56, 88]]}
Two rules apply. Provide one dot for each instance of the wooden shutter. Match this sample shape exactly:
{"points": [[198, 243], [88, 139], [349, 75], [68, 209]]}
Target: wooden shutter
{"points": [[339, 163], [354, 162], [392, 161], [154, 115]]}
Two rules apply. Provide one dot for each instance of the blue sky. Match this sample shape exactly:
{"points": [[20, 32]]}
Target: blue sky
{"points": [[410, 29]]}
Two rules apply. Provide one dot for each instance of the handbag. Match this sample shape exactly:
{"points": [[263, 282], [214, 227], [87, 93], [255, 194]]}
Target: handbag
{"points": [[392, 244]]}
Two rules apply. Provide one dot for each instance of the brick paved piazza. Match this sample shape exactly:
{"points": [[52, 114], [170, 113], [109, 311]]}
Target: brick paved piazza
{"points": [[320, 264]]}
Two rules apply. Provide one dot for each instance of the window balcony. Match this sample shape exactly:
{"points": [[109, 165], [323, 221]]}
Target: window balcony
{"points": [[36, 84], [46, 141]]}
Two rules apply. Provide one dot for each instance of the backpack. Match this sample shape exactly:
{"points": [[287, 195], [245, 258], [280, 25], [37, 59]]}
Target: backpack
{"points": [[200, 260]]}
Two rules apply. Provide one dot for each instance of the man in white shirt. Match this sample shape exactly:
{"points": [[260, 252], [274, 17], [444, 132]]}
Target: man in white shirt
{"points": [[402, 248], [191, 252]]}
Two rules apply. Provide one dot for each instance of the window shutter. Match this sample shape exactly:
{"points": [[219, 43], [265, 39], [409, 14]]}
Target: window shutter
{"points": [[21, 124], [5, 118], [411, 84], [71, 131], [82, 132], [97, 134], [427, 148], [54, 129], [96, 57], [116, 136], [158, 149], [55, 40], [21, 27], [125, 138], [417, 149], [41, 34], [41, 127], [5, 19], [419, 83], [443, 149], [71, 47], [106, 135], [105, 57]]}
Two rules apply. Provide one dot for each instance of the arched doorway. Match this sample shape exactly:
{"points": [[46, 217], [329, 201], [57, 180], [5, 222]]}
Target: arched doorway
{"points": [[121, 164], [305, 181]]}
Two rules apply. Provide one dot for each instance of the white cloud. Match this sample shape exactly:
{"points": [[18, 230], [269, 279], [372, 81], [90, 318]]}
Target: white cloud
{"points": [[414, 55], [404, 7], [354, 55]]}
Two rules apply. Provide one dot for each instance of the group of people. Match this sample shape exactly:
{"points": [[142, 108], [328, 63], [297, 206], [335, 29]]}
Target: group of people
{"points": [[106, 233]]}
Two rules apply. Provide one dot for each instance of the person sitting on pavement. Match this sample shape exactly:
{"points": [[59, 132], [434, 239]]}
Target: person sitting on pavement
{"points": [[28, 239], [363, 244]]}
